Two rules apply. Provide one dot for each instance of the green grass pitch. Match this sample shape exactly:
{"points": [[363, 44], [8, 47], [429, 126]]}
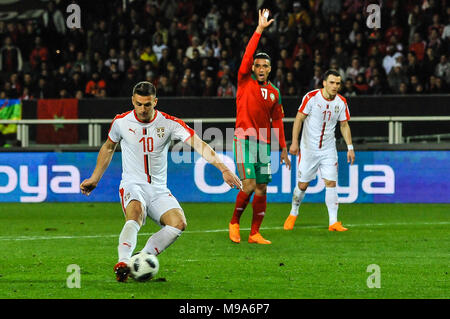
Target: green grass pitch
{"points": [[409, 243]]}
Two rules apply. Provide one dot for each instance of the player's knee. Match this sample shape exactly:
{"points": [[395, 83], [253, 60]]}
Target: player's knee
{"points": [[248, 186], [303, 186], [329, 183], [261, 189]]}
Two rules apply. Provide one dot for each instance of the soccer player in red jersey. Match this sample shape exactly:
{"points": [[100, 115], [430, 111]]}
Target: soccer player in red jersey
{"points": [[259, 109]]}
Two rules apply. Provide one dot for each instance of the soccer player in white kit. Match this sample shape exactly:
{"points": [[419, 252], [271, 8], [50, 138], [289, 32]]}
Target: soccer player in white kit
{"points": [[320, 110], [145, 135]]}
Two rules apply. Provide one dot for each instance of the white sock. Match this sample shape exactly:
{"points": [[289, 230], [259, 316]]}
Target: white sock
{"points": [[297, 199], [331, 199], [128, 240], [162, 239]]}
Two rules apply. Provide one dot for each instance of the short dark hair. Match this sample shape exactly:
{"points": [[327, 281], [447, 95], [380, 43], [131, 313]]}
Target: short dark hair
{"points": [[262, 55], [144, 88], [330, 72]]}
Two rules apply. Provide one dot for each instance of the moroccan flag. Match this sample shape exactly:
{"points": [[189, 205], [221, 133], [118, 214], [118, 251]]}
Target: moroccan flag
{"points": [[10, 109], [57, 133]]}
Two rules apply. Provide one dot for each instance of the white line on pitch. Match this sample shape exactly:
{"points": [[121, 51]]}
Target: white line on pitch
{"points": [[19, 238]]}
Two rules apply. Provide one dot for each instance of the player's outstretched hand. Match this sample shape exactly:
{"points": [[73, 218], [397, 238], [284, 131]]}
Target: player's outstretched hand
{"points": [[351, 157], [231, 179], [263, 21], [293, 149], [87, 186], [284, 158]]}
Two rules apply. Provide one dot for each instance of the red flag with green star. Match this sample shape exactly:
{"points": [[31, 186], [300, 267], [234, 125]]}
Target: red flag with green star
{"points": [[57, 133]]}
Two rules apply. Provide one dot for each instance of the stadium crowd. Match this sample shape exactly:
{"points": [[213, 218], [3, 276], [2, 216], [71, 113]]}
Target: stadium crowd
{"points": [[194, 48]]}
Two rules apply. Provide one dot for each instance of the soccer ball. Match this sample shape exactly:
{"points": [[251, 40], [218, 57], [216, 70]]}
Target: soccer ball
{"points": [[143, 266]]}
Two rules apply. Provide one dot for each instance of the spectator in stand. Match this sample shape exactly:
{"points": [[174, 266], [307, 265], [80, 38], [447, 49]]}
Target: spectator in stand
{"points": [[412, 66], [195, 45], [184, 88], [418, 46], [396, 77], [210, 87], [349, 89], [94, 85], [38, 54], [402, 88], [316, 81], [165, 88], [43, 90], [226, 88], [361, 85], [443, 69], [354, 69], [10, 57], [76, 83], [429, 62], [159, 46]]}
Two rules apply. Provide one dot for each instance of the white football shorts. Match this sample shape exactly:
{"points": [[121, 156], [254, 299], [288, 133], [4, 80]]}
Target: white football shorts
{"points": [[155, 201], [310, 162]]}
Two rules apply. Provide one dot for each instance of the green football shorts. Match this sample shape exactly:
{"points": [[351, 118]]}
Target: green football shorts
{"points": [[252, 159]]}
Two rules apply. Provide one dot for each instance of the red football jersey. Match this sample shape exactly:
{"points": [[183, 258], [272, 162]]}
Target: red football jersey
{"points": [[256, 105]]}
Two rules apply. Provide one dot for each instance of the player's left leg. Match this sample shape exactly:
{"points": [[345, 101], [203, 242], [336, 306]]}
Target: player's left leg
{"points": [[328, 170], [167, 212], [259, 206]]}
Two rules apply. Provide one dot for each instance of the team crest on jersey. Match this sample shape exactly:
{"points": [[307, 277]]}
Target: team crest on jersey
{"points": [[160, 131], [272, 97], [127, 196], [336, 109]]}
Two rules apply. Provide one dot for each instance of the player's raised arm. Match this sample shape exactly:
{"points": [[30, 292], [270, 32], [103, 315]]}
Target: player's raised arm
{"points": [[347, 135], [103, 159], [247, 59], [211, 157], [294, 149]]}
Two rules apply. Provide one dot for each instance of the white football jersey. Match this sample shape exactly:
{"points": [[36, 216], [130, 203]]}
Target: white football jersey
{"points": [[322, 115], [145, 145]]}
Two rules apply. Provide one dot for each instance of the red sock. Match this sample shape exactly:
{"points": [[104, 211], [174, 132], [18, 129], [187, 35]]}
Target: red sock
{"points": [[242, 200], [259, 208]]}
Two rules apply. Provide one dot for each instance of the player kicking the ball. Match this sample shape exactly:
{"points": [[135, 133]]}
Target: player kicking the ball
{"points": [[258, 109], [320, 110], [145, 135]]}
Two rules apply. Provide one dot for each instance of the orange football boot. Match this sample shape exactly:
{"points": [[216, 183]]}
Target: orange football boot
{"points": [[337, 226], [122, 271], [290, 221], [234, 232], [258, 239]]}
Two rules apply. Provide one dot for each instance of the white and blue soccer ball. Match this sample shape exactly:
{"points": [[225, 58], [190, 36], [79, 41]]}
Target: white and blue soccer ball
{"points": [[143, 266]]}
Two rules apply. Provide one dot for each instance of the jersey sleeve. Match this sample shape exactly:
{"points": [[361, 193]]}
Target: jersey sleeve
{"points": [[114, 132], [247, 60], [344, 113], [180, 130], [305, 106]]}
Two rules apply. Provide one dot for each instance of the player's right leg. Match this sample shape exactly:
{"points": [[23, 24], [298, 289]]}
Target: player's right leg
{"points": [[245, 163], [307, 167], [134, 210]]}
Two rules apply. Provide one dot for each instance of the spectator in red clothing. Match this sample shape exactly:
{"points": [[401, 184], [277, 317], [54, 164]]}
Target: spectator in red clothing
{"points": [[418, 46], [361, 85], [38, 54], [395, 29], [226, 88], [94, 85]]}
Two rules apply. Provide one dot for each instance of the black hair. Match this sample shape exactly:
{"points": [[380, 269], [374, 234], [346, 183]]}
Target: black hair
{"points": [[144, 88], [330, 72], [262, 55]]}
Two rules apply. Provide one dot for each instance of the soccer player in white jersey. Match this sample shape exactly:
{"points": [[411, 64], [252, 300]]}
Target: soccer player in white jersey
{"points": [[145, 135], [320, 110]]}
